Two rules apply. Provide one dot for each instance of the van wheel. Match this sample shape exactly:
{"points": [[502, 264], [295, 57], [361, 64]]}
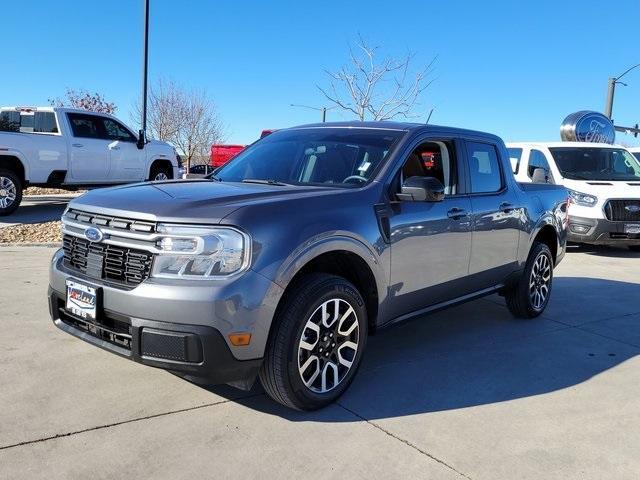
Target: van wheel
{"points": [[159, 173], [317, 342], [10, 192], [529, 296]]}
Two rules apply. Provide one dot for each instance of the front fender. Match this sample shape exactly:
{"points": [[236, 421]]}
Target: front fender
{"points": [[331, 242]]}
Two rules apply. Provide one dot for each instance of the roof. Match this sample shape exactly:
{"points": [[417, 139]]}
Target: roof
{"points": [[561, 144], [51, 109], [398, 126]]}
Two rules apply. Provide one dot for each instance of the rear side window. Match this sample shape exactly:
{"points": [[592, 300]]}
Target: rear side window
{"points": [[537, 159], [86, 126], [28, 122], [484, 168]]}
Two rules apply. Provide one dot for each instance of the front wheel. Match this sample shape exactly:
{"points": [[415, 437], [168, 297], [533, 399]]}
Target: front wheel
{"points": [[316, 346], [159, 173], [529, 296], [10, 192]]}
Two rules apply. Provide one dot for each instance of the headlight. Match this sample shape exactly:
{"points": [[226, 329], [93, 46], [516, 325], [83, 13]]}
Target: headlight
{"points": [[193, 252], [583, 199]]}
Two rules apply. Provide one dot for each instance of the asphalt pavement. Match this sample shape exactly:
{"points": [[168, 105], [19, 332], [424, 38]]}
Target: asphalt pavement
{"points": [[467, 393], [38, 209]]}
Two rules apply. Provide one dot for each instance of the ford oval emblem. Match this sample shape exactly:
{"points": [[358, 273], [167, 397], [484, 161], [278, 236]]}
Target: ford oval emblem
{"points": [[93, 234], [587, 126], [632, 208]]}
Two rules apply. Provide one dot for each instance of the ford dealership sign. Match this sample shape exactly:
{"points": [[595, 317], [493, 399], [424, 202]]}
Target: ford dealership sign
{"points": [[587, 126]]}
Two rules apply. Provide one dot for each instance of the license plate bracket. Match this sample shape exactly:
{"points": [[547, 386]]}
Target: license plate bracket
{"points": [[82, 300], [632, 228]]}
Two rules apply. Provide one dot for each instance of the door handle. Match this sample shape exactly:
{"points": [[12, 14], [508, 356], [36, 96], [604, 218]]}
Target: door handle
{"points": [[457, 213], [77, 145], [114, 148], [507, 207]]}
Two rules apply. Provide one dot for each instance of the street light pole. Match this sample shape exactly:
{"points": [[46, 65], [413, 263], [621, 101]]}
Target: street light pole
{"points": [[611, 90], [145, 66], [323, 110]]}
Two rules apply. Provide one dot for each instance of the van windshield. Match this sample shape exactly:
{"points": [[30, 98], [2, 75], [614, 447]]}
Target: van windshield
{"points": [[338, 157], [596, 163]]}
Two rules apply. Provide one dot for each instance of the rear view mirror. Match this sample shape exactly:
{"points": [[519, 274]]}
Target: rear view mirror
{"points": [[141, 140], [421, 189]]}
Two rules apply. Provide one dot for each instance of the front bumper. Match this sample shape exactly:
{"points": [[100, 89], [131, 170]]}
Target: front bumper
{"points": [[600, 231], [182, 326]]}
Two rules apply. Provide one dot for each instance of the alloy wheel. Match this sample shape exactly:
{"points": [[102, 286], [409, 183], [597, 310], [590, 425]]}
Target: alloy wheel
{"points": [[8, 192], [161, 176], [540, 282], [328, 345]]}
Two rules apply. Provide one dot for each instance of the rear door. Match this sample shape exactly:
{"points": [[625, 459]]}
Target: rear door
{"points": [[88, 149], [496, 215]]}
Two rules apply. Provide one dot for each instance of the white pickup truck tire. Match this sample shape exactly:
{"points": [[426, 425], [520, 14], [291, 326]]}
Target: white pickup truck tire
{"points": [[10, 192], [160, 172]]}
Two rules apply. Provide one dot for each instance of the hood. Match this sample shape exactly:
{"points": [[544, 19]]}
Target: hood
{"points": [[184, 201], [605, 189]]}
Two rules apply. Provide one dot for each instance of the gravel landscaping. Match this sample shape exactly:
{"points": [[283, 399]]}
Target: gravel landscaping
{"points": [[48, 232]]}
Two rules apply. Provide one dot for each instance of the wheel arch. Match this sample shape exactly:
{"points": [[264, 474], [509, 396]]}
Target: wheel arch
{"points": [[547, 234], [160, 163], [13, 162], [345, 257]]}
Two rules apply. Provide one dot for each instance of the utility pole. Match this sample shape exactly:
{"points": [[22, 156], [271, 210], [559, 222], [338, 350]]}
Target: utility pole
{"points": [[145, 66], [324, 114], [323, 110], [611, 90]]}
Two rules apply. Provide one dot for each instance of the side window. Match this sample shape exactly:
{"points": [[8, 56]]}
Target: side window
{"points": [[432, 159], [44, 122], [515, 155], [116, 131], [85, 126], [537, 159], [484, 168]]}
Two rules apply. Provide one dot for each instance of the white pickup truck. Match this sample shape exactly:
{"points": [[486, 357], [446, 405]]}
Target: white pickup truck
{"points": [[68, 148], [602, 179]]}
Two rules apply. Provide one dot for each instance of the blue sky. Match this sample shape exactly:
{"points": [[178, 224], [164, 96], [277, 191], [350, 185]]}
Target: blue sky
{"points": [[511, 68]]}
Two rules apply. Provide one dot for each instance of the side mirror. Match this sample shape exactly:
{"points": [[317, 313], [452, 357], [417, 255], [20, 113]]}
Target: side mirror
{"points": [[421, 189], [540, 175], [141, 140]]}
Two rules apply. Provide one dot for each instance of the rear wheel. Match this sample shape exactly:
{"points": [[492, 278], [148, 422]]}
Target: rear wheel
{"points": [[317, 344], [10, 192], [159, 173], [529, 296]]}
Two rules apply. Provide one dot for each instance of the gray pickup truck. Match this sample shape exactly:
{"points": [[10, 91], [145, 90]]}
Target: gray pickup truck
{"points": [[313, 238]]}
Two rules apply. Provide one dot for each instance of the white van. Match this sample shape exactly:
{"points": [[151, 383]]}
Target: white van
{"points": [[603, 181]]}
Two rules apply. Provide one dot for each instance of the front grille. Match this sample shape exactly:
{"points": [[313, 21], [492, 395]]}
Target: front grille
{"points": [[125, 266], [616, 210], [116, 223]]}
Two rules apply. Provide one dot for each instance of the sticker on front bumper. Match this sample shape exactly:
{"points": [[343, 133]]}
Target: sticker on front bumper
{"points": [[81, 300]]}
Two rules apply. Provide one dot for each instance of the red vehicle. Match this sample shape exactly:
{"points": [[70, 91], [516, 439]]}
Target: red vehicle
{"points": [[221, 154]]}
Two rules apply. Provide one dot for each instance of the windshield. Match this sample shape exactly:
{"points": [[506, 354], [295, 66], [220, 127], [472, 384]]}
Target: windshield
{"points": [[596, 163], [339, 157]]}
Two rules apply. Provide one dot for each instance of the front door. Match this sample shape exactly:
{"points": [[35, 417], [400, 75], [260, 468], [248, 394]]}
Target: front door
{"points": [[430, 241], [126, 160], [88, 150]]}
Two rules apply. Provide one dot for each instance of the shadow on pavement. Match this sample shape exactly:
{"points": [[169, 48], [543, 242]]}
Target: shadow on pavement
{"points": [[603, 251], [474, 354]]}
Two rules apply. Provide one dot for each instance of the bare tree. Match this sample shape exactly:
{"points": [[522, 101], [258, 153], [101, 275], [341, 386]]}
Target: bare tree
{"points": [[376, 89], [186, 118], [84, 100]]}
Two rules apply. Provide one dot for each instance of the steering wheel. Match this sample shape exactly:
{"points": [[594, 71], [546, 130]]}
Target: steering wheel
{"points": [[355, 179]]}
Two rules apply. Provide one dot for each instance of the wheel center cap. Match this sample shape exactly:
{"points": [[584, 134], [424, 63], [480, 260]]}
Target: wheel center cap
{"points": [[3, 193]]}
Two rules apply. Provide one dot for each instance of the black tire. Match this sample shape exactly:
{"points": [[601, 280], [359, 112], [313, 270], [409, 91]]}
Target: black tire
{"points": [[160, 172], [280, 374], [10, 192], [634, 248], [521, 297]]}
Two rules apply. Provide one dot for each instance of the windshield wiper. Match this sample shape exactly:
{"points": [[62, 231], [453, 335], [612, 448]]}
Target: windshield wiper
{"points": [[266, 182]]}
